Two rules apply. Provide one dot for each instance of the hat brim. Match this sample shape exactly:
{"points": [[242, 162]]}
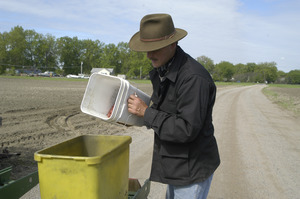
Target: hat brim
{"points": [[136, 44]]}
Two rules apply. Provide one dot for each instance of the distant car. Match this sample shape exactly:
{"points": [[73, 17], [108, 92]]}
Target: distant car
{"points": [[77, 76], [48, 74], [72, 76]]}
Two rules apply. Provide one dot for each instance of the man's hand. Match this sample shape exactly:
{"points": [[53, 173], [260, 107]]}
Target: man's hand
{"points": [[136, 105]]}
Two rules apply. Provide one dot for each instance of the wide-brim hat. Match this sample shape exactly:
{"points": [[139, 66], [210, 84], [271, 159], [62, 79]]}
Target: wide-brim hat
{"points": [[156, 31]]}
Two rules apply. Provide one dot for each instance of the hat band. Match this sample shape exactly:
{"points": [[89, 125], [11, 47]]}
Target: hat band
{"points": [[159, 39]]}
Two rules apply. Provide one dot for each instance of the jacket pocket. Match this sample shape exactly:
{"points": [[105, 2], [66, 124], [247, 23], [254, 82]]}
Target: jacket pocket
{"points": [[175, 161]]}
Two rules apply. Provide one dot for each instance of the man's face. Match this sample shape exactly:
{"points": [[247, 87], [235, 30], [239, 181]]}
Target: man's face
{"points": [[161, 56]]}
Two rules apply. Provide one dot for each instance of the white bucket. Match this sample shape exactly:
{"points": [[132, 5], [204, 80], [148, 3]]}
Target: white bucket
{"points": [[103, 92]]}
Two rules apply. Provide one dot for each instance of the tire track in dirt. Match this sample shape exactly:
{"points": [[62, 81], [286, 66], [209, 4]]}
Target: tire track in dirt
{"points": [[60, 121], [224, 115], [21, 126]]}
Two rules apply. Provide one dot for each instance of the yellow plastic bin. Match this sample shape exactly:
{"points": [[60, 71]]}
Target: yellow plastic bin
{"points": [[88, 166]]}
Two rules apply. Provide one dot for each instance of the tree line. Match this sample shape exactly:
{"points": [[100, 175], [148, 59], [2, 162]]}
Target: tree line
{"points": [[265, 72], [28, 50]]}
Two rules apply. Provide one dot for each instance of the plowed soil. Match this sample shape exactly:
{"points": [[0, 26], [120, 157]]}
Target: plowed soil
{"points": [[39, 113]]}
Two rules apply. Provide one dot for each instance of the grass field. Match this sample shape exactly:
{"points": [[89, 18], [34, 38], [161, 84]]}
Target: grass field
{"points": [[285, 95], [285, 85]]}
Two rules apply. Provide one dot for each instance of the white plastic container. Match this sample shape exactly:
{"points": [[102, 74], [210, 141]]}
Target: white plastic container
{"points": [[103, 92]]}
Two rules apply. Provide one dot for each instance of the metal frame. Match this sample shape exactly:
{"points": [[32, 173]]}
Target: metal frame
{"points": [[15, 189]]}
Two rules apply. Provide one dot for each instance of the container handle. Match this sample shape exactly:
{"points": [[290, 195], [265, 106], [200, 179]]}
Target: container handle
{"points": [[127, 119]]}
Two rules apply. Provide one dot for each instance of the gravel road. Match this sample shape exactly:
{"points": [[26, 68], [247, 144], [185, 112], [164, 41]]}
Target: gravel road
{"points": [[258, 142], [259, 147]]}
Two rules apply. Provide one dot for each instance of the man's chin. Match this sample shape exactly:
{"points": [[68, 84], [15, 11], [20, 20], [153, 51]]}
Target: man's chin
{"points": [[155, 65]]}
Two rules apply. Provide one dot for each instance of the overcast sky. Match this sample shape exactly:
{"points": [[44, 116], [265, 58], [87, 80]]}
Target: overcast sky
{"points": [[238, 31]]}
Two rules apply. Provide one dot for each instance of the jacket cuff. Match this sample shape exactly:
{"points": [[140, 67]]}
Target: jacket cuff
{"points": [[149, 117]]}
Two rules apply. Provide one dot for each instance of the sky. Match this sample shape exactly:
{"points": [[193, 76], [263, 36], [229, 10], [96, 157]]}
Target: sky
{"points": [[237, 31]]}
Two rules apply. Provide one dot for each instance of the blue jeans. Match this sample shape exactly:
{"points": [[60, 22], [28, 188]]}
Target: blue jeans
{"points": [[193, 191]]}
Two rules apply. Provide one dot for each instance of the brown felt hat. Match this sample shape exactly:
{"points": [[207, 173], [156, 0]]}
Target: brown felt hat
{"points": [[156, 31]]}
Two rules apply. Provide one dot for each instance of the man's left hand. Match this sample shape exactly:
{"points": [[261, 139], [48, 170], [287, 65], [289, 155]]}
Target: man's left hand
{"points": [[136, 105]]}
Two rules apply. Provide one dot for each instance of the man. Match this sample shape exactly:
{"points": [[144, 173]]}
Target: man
{"points": [[185, 153]]}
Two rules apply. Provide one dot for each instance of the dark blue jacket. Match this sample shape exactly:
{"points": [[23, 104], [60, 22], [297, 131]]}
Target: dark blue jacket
{"points": [[185, 149]]}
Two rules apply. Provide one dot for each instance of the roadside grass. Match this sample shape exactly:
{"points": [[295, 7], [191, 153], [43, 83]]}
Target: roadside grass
{"points": [[234, 83], [140, 81], [284, 100], [285, 85]]}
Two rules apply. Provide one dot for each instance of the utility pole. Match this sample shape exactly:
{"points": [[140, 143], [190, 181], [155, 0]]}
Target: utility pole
{"points": [[81, 68]]}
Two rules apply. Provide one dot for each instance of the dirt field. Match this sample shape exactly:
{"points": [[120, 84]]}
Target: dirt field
{"points": [[40, 113], [289, 98], [258, 141]]}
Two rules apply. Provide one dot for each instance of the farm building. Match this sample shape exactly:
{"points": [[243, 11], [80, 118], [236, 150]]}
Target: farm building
{"points": [[103, 71]]}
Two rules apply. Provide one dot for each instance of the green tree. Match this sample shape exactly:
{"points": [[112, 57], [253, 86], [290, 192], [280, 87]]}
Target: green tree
{"points": [[281, 77], [69, 50], [271, 72], [139, 65], [16, 46], [40, 50], [47, 52], [207, 63], [32, 41], [3, 52], [241, 73], [293, 77], [250, 67], [224, 71], [124, 55], [92, 52], [111, 58], [240, 68], [267, 72]]}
